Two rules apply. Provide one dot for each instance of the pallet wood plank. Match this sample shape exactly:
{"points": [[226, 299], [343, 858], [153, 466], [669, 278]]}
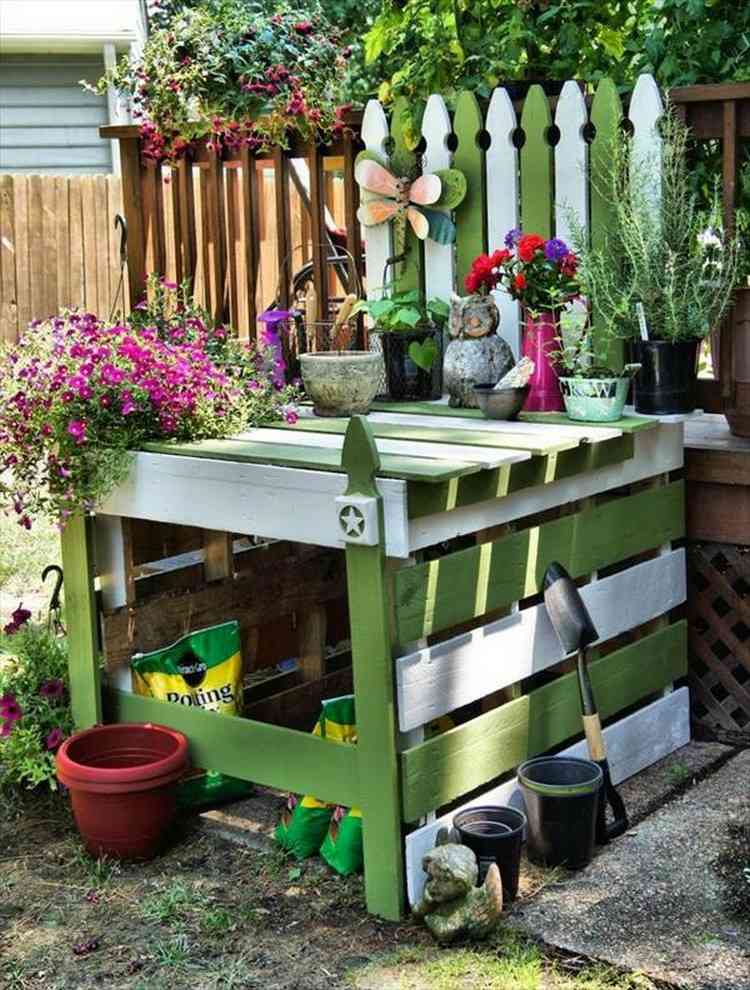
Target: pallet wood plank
{"points": [[442, 678], [456, 762], [467, 584], [266, 754], [633, 743]]}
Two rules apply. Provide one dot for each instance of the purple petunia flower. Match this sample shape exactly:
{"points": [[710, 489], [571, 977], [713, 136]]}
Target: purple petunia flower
{"points": [[53, 689], [77, 429], [555, 250], [512, 238], [10, 710], [54, 738]]}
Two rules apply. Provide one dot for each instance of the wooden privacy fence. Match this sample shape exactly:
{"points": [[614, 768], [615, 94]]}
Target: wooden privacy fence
{"points": [[58, 246], [203, 219]]}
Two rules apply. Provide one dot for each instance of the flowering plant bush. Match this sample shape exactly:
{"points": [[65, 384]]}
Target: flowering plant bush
{"points": [[226, 70], [35, 712], [539, 273], [77, 395]]}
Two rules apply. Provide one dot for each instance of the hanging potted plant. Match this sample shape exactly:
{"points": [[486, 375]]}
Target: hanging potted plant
{"points": [[542, 275], [592, 391], [663, 272], [410, 332]]}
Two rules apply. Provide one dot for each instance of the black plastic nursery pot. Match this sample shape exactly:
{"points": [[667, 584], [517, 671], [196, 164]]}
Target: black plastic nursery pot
{"points": [[406, 381], [667, 381], [494, 833], [561, 795]]}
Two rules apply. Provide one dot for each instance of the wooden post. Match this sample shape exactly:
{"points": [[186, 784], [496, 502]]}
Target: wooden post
{"points": [[132, 200], [284, 260], [318, 230], [81, 620], [373, 687]]}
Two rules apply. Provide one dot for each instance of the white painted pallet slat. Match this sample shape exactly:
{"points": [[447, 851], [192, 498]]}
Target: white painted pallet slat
{"points": [[503, 201], [655, 452], [437, 680], [571, 163], [252, 499], [486, 457], [438, 258], [646, 108], [635, 742], [378, 240], [546, 431]]}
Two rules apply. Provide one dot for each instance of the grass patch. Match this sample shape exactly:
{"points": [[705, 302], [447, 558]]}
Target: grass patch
{"points": [[23, 556], [169, 905]]}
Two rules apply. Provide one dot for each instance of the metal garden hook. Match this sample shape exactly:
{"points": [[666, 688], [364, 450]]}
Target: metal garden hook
{"points": [[54, 611]]}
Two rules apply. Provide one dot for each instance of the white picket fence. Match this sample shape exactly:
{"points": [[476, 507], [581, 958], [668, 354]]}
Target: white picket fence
{"points": [[570, 185]]}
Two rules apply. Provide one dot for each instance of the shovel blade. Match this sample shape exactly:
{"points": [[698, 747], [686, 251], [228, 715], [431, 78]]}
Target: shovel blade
{"points": [[567, 612]]}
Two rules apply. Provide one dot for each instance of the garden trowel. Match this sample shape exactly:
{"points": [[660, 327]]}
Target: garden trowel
{"points": [[576, 631]]}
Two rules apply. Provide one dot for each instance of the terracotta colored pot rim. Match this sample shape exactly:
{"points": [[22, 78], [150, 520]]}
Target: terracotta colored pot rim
{"points": [[158, 772]]}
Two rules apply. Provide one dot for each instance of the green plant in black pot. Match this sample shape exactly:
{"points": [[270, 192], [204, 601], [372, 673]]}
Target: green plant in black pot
{"points": [[663, 271], [410, 332]]}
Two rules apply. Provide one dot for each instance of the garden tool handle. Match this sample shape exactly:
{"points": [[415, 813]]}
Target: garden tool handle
{"points": [[592, 728], [605, 832]]}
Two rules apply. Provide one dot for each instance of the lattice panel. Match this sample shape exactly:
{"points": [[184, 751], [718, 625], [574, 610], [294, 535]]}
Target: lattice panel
{"points": [[719, 640]]}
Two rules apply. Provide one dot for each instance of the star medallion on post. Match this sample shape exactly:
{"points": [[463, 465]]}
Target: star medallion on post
{"points": [[352, 521]]}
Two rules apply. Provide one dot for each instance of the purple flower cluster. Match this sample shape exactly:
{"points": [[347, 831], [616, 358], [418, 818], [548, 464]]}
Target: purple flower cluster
{"points": [[18, 620], [10, 713]]}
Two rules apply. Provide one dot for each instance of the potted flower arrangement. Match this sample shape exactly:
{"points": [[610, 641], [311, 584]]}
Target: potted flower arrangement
{"points": [[592, 390], [235, 74], [656, 276], [78, 394], [542, 275], [410, 332]]}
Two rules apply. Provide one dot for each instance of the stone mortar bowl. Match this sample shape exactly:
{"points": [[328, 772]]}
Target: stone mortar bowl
{"points": [[503, 403], [341, 383]]}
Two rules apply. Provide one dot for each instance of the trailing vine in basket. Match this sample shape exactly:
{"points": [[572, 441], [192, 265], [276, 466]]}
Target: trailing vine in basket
{"points": [[77, 395], [230, 71]]}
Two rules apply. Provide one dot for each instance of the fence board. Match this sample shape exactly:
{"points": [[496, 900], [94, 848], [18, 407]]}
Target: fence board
{"points": [[502, 200], [378, 240], [8, 302], [438, 258], [644, 112], [571, 163], [536, 164], [469, 158], [406, 274]]}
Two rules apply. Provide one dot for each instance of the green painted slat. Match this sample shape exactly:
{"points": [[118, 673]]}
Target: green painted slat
{"points": [[81, 619], [372, 661], [606, 116], [471, 237], [424, 500], [408, 274], [266, 754], [313, 458], [536, 165], [534, 443], [426, 408], [464, 758], [472, 582], [627, 423]]}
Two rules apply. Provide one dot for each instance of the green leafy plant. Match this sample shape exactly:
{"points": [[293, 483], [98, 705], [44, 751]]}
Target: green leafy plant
{"points": [[237, 72], [35, 711], [402, 312], [660, 249]]}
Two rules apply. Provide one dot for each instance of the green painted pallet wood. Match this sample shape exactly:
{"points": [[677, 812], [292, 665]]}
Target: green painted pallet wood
{"points": [[425, 500], [536, 165], [372, 662], [471, 237], [535, 443], [458, 761], [266, 754], [606, 116], [407, 274], [469, 583], [312, 458], [81, 620]]}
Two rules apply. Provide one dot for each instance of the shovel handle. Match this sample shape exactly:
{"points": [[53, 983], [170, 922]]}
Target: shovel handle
{"points": [[592, 727]]}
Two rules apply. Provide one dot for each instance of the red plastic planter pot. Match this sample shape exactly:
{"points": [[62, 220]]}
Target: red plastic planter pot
{"points": [[122, 785]]}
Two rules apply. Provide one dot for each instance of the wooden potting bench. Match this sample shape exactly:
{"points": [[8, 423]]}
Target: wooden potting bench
{"points": [[447, 523]]}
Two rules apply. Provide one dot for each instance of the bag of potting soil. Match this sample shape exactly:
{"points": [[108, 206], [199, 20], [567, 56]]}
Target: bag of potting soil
{"points": [[342, 846], [201, 670], [304, 822]]}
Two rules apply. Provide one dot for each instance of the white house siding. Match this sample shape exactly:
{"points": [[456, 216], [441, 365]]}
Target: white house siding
{"points": [[48, 122]]}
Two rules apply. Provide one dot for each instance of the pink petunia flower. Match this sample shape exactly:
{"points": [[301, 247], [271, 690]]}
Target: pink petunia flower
{"points": [[54, 689], [54, 738]]}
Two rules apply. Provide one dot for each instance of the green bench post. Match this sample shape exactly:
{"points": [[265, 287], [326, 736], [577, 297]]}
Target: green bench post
{"points": [[81, 621]]}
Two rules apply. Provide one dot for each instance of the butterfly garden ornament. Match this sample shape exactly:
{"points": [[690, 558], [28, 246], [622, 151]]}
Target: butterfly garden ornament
{"points": [[421, 201]]}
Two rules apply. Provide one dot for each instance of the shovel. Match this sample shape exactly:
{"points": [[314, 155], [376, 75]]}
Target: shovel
{"points": [[576, 631]]}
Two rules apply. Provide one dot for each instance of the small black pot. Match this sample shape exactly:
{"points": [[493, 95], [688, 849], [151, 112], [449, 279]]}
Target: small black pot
{"points": [[494, 833], [406, 381], [561, 794], [667, 381]]}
